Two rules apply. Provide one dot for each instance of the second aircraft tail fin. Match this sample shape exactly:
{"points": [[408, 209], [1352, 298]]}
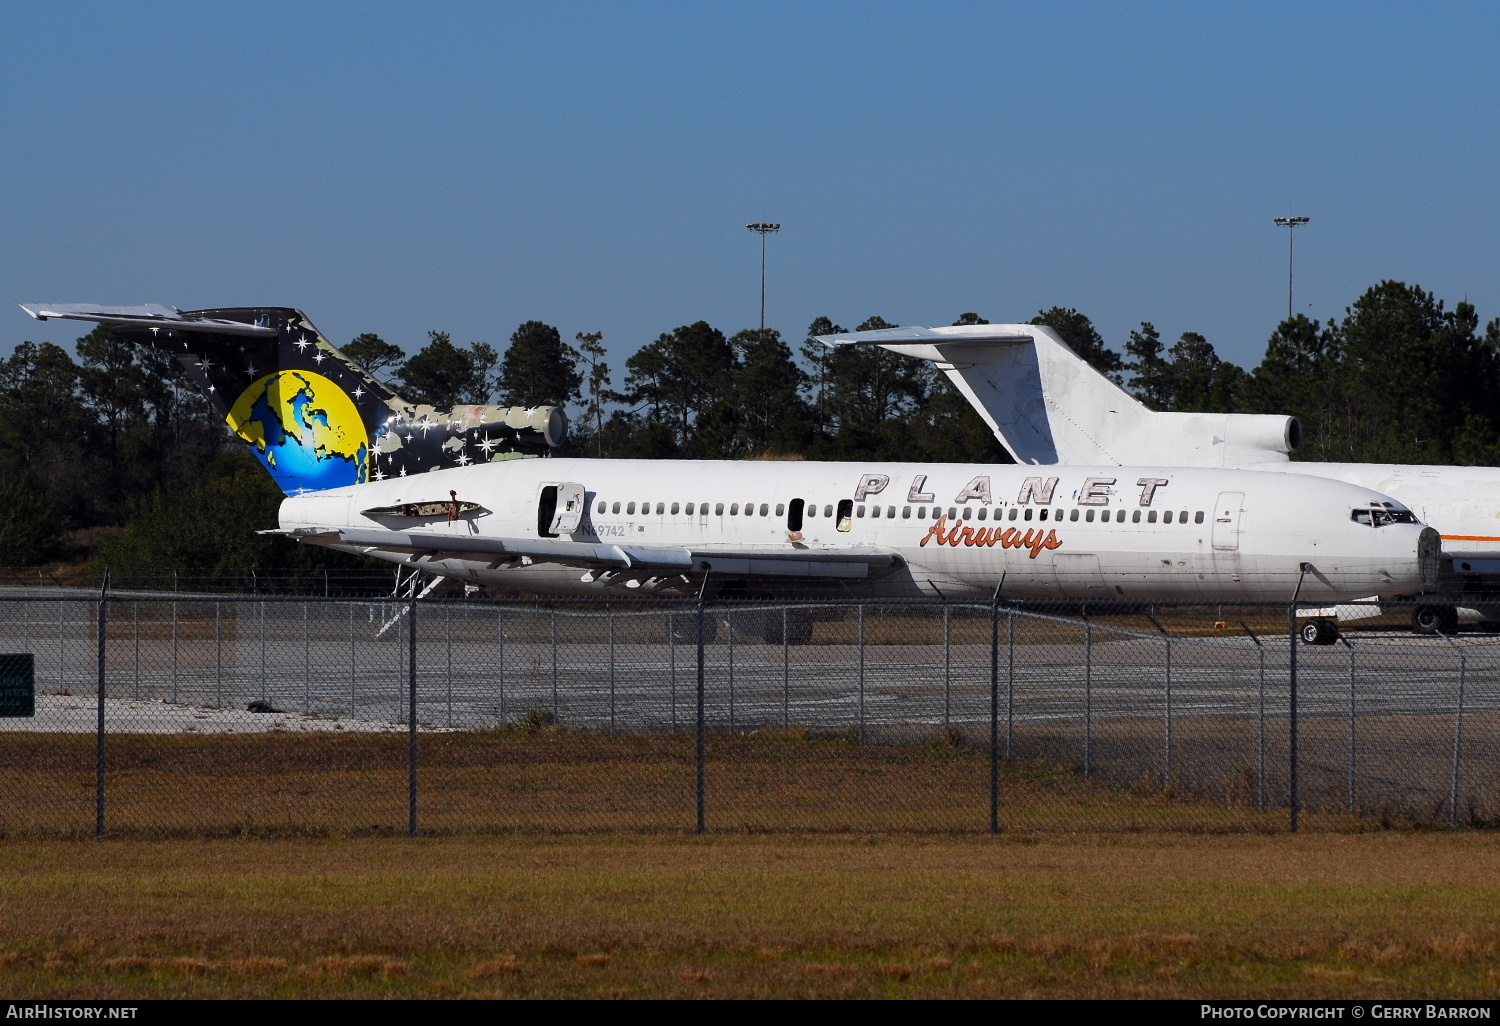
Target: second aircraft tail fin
{"points": [[1047, 405]]}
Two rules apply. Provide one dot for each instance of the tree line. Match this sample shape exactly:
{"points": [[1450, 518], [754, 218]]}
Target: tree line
{"points": [[113, 436]]}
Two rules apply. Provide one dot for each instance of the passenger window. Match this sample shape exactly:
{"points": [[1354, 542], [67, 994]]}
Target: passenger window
{"points": [[1043, 514], [1135, 518], [616, 508], [875, 511], [1151, 517], [905, 512], [719, 510], [734, 509], [1089, 516], [780, 508], [765, 510], [828, 510], [952, 513], [861, 511], [1073, 516], [629, 508], [1182, 517], [675, 508], [1013, 513], [1028, 513], [794, 515], [846, 511], [1167, 517], [812, 510], [602, 507], [1198, 517], [921, 512], [983, 513], [688, 509]]}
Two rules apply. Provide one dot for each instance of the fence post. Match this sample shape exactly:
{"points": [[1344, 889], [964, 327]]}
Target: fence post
{"points": [[1010, 680], [1458, 730], [611, 669], [411, 716], [554, 666], [306, 659], [947, 663], [786, 672], [1352, 750], [218, 654], [1260, 737], [100, 664], [137, 611], [701, 746], [448, 627], [1088, 693], [1167, 763], [174, 640], [353, 663], [861, 733], [672, 665], [1294, 798], [500, 661], [263, 649], [995, 712], [729, 625]]}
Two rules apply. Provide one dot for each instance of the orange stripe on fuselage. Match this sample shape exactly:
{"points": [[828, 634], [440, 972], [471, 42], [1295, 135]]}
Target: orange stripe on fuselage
{"points": [[1469, 537]]}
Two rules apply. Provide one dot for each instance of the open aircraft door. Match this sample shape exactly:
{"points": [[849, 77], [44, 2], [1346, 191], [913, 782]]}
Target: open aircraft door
{"points": [[560, 508], [1227, 510]]}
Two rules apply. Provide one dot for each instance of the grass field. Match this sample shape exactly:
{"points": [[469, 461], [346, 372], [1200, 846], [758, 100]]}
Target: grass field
{"points": [[1335, 915]]}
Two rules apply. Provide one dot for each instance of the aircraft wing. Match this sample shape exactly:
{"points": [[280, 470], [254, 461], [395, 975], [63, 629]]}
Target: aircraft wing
{"points": [[150, 315], [660, 559]]}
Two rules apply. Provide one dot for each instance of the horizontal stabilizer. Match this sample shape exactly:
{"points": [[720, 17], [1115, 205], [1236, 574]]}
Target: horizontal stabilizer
{"points": [[150, 315]]}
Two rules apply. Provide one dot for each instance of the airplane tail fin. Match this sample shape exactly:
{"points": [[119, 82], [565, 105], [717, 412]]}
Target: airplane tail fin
{"points": [[1047, 405], [314, 418]]}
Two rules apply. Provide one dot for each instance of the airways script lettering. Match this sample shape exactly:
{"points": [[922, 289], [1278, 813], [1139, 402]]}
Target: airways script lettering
{"points": [[987, 537]]}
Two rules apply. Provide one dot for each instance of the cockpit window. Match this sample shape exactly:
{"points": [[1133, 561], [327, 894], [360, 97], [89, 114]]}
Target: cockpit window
{"points": [[1376, 516]]}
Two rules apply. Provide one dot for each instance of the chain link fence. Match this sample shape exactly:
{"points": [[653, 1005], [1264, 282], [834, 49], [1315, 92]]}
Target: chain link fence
{"points": [[162, 713]]}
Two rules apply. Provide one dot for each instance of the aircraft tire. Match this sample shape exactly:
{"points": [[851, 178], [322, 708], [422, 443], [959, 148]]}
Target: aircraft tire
{"points": [[1434, 620], [1319, 631]]}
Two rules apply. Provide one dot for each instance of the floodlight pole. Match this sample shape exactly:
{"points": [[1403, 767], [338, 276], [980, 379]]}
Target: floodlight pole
{"points": [[763, 229], [1291, 224]]}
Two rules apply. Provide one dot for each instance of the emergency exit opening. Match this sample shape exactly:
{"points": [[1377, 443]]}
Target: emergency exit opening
{"points": [[846, 515], [794, 515]]}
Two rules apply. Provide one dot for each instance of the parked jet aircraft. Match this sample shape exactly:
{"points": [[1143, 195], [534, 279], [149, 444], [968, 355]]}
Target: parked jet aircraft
{"points": [[361, 479], [1048, 407]]}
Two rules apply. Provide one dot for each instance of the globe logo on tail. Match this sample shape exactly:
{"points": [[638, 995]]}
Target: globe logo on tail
{"points": [[305, 430]]}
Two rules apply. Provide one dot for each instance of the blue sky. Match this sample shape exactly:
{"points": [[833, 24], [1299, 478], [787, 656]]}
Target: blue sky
{"points": [[399, 167]]}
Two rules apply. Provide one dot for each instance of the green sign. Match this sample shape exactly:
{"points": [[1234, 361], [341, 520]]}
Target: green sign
{"points": [[17, 685]]}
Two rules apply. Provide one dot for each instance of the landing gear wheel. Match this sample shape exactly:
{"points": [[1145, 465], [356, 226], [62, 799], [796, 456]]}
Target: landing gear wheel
{"points": [[1319, 631], [1434, 620]]}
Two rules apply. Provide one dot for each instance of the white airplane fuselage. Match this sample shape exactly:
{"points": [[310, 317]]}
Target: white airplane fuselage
{"points": [[953, 530]]}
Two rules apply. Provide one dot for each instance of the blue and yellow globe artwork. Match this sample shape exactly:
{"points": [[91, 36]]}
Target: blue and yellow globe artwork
{"points": [[306, 430]]}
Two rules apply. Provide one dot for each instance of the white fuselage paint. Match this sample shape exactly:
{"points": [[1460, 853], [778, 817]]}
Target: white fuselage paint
{"points": [[1255, 531]]}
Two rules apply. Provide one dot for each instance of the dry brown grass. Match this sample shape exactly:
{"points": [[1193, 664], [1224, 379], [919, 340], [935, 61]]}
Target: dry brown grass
{"points": [[1374, 915], [550, 780]]}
